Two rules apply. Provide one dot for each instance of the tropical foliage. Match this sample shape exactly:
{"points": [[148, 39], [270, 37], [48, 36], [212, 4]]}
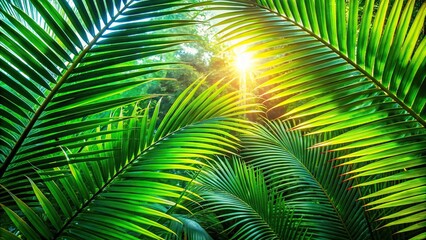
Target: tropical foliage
{"points": [[83, 157], [307, 181], [360, 83], [63, 70], [239, 193]]}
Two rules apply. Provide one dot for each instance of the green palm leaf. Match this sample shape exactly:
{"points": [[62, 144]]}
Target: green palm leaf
{"points": [[126, 196], [335, 74], [239, 195], [61, 62], [310, 184]]}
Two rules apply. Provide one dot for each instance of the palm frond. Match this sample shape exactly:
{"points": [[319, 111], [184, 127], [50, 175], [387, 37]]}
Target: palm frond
{"points": [[240, 197], [126, 196], [61, 63], [335, 74], [308, 181]]}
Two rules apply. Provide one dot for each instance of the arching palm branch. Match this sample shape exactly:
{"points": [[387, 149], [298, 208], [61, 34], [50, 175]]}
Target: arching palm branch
{"points": [[363, 81], [127, 196], [310, 185], [60, 63]]}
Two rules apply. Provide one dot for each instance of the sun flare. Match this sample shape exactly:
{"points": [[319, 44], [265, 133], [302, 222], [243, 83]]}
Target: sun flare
{"points": [[243, 59]]}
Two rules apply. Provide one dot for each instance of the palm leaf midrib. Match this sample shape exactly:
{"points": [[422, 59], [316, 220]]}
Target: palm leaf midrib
{"points": [[377, 83], [92, 198], [248, 206], [281, 146], [54, 90], [147, 148]]}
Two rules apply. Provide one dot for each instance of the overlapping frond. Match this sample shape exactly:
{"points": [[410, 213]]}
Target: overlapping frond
{"points": [[126, 196], [240, 197], [188, 229], [350, 75], [308, 181], [63, 61], [336, 74]]}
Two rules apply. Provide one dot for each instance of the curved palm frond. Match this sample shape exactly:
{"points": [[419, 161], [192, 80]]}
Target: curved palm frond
{"points": [[310, 184], [61, 63], [128, 195], [364, 78], [240, 197]]}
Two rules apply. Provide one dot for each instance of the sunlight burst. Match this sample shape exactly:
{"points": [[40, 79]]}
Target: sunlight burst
{"points": [[243, 59]]}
